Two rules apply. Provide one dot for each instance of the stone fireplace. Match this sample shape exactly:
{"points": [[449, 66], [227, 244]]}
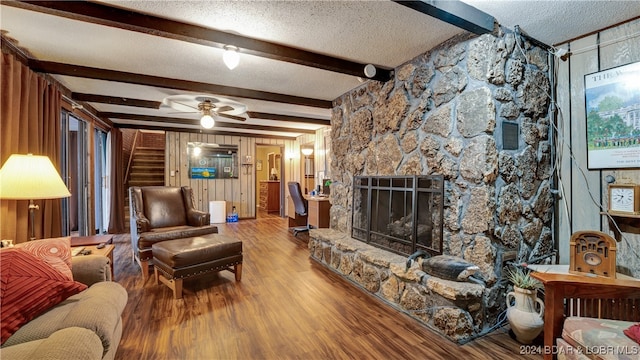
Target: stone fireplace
{"points": [[401, 214], [474, 110]]}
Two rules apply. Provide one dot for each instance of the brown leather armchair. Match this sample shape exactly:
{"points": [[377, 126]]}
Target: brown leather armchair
{"points": [[160, 213]]}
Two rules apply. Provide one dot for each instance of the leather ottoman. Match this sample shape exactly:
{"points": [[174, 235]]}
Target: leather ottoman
{"points": [[175, 260]]}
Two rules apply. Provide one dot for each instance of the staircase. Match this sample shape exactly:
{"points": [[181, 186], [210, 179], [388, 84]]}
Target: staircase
{"points": [[147, 169]]}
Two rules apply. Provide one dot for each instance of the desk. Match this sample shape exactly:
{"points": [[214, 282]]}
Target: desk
{"points": [[318, 211]]}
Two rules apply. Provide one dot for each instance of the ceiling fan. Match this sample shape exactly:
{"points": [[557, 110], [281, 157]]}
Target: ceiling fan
{"points": [[210, 107]]}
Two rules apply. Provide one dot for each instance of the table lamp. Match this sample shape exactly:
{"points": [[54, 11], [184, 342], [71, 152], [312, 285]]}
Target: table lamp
{"points": [[29, 177]]}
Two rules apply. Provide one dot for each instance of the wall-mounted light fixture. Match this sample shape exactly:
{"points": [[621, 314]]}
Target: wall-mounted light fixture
{"points": [[306, 151], [231, 57], [562, 54]]}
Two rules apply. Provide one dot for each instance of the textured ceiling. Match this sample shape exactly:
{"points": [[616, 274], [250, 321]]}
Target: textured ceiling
{"points": [[383, 33]]}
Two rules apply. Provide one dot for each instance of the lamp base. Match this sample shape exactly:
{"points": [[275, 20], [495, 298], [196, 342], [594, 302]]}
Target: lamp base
{"points": [[32, 217]]}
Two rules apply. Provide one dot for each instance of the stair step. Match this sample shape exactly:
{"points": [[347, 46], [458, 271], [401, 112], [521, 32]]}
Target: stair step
{"points": [[150, 154], [146, 183], [146, 168], [157, 162], [146, 173]]}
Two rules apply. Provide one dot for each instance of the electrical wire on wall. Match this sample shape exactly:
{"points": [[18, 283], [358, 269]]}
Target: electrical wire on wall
{"points": [[556, 126]]}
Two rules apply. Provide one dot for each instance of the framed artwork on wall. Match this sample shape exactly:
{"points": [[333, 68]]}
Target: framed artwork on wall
{"points": [[612, 100], [259, 165]]}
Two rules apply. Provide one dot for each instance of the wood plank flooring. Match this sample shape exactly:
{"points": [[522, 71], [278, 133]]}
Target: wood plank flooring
{"points": [[286, 307]]}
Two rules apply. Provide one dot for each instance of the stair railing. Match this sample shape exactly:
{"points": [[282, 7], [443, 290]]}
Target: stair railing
{"points": [[133, 150]]}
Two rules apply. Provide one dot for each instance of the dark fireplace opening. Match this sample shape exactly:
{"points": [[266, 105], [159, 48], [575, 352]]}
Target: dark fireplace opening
{"points": [[401, 214]]}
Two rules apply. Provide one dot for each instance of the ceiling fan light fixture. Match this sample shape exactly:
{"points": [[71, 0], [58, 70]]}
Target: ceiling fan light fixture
{"points": [[207, 121], [231, 57]]}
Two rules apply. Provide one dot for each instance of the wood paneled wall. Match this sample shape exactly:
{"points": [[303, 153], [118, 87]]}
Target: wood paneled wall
{"points": [[240, 192], [604, 50]]}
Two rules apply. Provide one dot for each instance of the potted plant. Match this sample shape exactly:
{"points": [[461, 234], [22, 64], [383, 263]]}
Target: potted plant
{"points": [[524, 309]]}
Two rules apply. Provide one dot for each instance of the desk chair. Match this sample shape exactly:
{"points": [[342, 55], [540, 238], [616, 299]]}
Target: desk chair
{"points": [[299, 203]]}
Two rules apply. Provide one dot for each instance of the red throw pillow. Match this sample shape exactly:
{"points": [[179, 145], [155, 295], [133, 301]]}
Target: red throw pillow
{"points": [[633, 332], [28, 287], [54, 251]]}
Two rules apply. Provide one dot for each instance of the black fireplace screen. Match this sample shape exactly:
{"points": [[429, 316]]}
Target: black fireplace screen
{"points": [[401, 214]]}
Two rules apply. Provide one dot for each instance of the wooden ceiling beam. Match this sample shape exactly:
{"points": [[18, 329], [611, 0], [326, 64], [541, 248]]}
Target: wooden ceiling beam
{"points": [[50, 67], [201, 131], [218, 124], [115, 100], [151, 25], [456, 13], [279, 117]]}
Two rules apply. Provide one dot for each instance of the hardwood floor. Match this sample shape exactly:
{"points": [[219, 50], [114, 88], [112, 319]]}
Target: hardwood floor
{"points": [[286, 307]]}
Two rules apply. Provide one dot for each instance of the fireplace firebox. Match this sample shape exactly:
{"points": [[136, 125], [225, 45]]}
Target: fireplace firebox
{"points": [[401, 214]]}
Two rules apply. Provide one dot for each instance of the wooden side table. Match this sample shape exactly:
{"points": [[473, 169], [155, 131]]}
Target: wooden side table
{"points": [[606, 298], [107, 251], [91, 240]]}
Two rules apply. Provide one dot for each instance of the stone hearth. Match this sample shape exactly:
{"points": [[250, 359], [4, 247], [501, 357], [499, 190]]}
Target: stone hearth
{"points": [[452, 308]]}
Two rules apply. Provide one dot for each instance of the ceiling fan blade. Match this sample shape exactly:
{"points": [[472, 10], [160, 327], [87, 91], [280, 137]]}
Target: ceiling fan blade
{"points": [[187, 105], [182, 105], [224, 108], [233, 117], [183, 112]]}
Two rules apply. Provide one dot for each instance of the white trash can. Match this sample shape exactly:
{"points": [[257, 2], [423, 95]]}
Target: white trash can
{"points": [[218, 212]]}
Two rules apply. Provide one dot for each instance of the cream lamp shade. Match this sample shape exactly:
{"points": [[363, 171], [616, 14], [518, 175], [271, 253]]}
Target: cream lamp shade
{"points": [[306, 151], [27, 177]]}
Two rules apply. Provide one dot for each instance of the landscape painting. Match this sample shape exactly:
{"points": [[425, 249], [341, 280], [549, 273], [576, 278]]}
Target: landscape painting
{"points": [[613, 117]]}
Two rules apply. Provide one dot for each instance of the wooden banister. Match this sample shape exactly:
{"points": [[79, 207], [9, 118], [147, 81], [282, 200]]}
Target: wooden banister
{"points": [[133, 149], [576, 295]]}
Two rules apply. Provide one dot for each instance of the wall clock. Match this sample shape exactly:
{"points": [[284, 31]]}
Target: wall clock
{"points": [[624, 198], [592, 252]]}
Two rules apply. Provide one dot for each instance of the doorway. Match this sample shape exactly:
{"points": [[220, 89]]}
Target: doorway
{"points": [[74, 151], [307, 171], [100, 183], [269, 181]]}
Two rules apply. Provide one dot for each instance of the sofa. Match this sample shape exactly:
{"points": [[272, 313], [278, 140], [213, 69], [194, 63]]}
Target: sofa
{"points": [[160, 213], [85, 325]]}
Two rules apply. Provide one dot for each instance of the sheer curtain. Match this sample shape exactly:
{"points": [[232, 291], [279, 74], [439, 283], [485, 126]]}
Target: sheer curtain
{"points": [[29, 123]]}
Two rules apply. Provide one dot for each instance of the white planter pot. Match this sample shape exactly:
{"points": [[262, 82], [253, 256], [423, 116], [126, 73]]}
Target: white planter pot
{"points": [[526, 321]]}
